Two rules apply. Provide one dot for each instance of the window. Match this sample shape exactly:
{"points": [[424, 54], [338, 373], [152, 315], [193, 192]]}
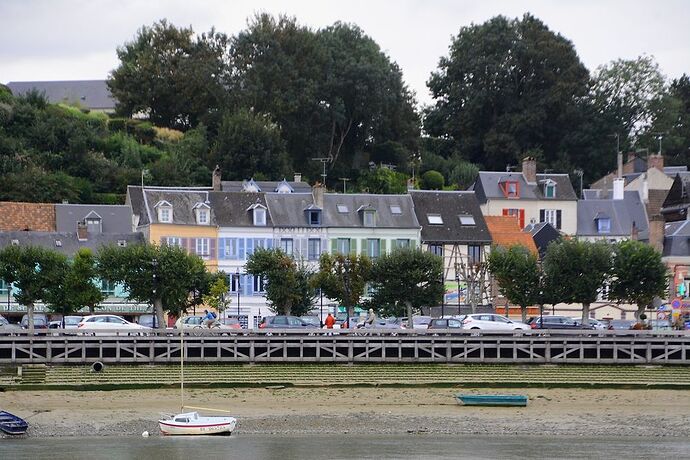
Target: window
{"points": [[231, 248], [396, 210], [514, 212], [93, 221], [314, 249], [466, 219], [165, 215], [173, 241], [314, 217], [122, 243], [474, 254], [402, 243], [434, 219], [287, 245], [259, 216], [369, 217], [58, 243], [107, 288], [202, 247], [259, 284], [436, 249], [511, 189], [235, 284], [343, 245], [550, 217], [202, 217], [3, 287], [550, 190], [15, 242], [342, 209], [604, 225], [373, 247]]}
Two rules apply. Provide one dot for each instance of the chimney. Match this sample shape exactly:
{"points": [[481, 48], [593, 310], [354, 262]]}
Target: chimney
{"points": [[529, 169], [644, 194], [82, 231], [216, 179], [317, 193], [655, 161], [656, 232], [298, 177], [618, 188]]}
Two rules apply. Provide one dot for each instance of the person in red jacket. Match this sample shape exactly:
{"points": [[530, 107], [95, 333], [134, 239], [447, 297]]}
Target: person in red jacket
{"points": [[330, 321]]}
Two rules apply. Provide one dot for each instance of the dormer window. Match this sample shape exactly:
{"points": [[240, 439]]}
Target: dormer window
{"points": [[203, 213], [369, 218], [549, 189], [314, 216], [510, 188], [466, 219], [165, 212], [284, 187], [250, 186], [258, 213], [603, 224]]}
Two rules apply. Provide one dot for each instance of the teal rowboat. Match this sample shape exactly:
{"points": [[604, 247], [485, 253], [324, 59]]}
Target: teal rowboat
{"points": [[493, 400]]}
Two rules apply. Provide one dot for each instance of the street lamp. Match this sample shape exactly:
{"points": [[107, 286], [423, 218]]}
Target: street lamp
{"points": [[237, 285], [321, 295]]}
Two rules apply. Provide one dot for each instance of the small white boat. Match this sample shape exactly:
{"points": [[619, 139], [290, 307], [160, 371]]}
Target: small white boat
{"points": [[191, 423]]}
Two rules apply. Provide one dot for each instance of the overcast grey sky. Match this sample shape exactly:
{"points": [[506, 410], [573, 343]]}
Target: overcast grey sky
{"points": [[76, 39]]}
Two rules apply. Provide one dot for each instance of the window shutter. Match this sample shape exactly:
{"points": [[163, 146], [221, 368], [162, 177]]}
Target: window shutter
{"points": [[334, 246], [269, 243], [382, 248], [522, 218], [164, 240], [558, 219], [192, 245], [250, 247], [221, 248], [363, 247], [240, 253], [413, 244], [184, 243], [212, 248], [505, 212], [353, 246], [248, 284], [542, 215]]}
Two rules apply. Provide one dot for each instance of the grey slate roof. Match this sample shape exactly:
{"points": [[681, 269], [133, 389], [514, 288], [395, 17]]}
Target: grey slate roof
{"points": [[450, 205], [114, 218], [543, 233], [623, 213], [230, 208], [69, 244], [264, 186], [382, 203], [677, 239], [487, 186], [287, 210], [91, 94]]}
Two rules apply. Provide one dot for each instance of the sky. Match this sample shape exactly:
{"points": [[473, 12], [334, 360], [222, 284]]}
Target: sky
{"points": [[77, 39]]}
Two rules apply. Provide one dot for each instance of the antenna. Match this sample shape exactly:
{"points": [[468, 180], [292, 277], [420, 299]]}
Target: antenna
{"points": [[345, 181], [660, 136], [324, 161]]}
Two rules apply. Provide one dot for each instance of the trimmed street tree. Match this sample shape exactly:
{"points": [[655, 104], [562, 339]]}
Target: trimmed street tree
{"points": [[405, 280], [162, 276], [217, 297], [343, 278], [517, 272], [288, 291], [575, 271], [639, 275], [77, 288], [33, 271]]}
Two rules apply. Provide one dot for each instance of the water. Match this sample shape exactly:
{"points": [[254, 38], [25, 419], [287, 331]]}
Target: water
{"points": [[337, 447]]}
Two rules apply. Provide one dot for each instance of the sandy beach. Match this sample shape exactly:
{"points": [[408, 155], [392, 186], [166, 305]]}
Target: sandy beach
{"points": [[591, 412]]}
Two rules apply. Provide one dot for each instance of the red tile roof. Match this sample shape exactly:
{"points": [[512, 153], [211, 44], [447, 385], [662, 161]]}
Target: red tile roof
{"points": [[505, 231]]}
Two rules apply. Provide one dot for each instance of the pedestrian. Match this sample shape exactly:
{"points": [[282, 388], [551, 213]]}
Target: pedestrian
{"points": [[330, 321], [371, 319], [209, 319]]}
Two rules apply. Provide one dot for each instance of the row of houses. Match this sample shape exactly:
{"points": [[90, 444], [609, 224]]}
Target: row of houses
{"points": [[227, 221]]}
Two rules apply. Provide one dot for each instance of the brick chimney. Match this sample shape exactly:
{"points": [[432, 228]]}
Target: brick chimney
{"points": [[298, 177], [655, 161], [317, 192], [656, 232], [216, 179], [82, 231], [529, 169]]}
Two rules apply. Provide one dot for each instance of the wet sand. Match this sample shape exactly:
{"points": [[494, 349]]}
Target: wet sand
{"points": [[586, 412]]}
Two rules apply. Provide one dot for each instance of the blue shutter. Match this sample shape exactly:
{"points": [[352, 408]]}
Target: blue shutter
{"points": [[269, 243], [250, 247], [221, 248], [240, 253], [248, 284]]}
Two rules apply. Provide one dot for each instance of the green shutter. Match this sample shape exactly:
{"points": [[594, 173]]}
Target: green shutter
{"points": [[353, 246], [412, 244], [383, 246], [334, 245], [363, 247]]}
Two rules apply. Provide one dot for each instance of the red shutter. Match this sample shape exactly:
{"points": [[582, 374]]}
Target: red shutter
{"points": [[505, 212], [522, 218]]}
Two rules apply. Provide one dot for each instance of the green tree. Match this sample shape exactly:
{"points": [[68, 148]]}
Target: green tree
{"points": [[382, 180], [638, 274], [287, 284], [217, 296], [405, 280], [172, 75], [508, 86], [432, 180], [518, 274], [76, 289], [32, 270], [163, 276], [343, 278], [575, 271]]}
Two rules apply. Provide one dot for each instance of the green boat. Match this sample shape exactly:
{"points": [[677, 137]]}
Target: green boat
{"points": [[492, 400]]}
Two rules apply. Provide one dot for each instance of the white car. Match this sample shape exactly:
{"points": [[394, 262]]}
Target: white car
{"points": [[110, 324], [490, 321], [595, 323]]}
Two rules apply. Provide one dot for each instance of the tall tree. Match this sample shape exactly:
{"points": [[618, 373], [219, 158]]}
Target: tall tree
{"points": [[343, 278], [32, 270], [172, 75], [638, 275], [506, 87], [576, 270], [287, 284], [518, 274], [407, 279], [76, 289], [163, 276]]}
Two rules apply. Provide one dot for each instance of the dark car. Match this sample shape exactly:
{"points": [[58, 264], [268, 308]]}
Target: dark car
{"points": [[445, 323], [148, 321], [7, 328], [556, 322], [621, 324], [284, 322], [40, 321]]}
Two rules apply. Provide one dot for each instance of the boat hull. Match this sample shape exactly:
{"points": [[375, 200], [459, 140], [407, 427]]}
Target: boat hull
{"points": [[11, 424], [225, 426], [493, 400]]}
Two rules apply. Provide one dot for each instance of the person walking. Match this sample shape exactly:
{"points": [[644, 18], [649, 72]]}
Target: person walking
{"points": [[330, 321]]}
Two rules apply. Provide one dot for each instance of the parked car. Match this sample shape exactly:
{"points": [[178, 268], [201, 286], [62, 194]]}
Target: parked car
{"points": [[421, 322], [621, 324], [385, 323], [148, 321], [445, 323], [71, 322], [40, 321], [490, 321], [284, 322], [660, 324], [7, 328], [230, 323], [556, 322], [110, 324], [595, 323], [313, 320]]}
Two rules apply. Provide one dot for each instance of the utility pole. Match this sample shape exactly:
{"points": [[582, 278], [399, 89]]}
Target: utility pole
{"points": [[324, 161], [345, 181]]}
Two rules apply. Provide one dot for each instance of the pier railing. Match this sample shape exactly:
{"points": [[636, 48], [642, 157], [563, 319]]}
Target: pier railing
{"points": [[344, 346]]}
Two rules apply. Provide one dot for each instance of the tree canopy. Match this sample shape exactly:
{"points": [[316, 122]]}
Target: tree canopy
{"points": [[343, 278], [518, 274]]}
